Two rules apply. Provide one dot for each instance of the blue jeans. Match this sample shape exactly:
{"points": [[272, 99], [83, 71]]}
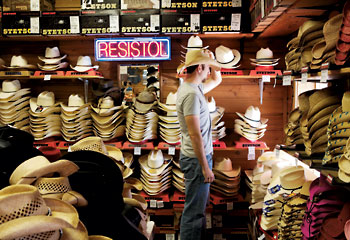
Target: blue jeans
{"points": [[197, 192]]}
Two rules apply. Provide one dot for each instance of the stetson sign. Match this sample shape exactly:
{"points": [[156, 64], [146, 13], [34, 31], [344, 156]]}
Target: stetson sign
{"points": [[135, 49]]}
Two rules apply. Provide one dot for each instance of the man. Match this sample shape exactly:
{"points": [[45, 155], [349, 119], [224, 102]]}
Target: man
{"points": [[196, 139]]}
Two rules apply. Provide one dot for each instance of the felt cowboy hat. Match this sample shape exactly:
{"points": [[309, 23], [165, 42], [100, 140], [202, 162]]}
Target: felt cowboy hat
{"points": [[36, 167], [194, 43], [18, 62], [197, 57], [75, 103], [226, 57], [84, 64], [11, 88], [52, 56]]}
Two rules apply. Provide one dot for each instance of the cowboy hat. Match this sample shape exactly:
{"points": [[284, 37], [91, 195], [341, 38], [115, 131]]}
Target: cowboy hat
{"points": [[44, 101], [11, 89], [53, 67], [224, 167], [264, 57], [84, 64], [170, 104], [252, 116], [197, 57], [226, 57], [154, 163], [106, 106], [75, 103], [52, 56], [18, 62], [194, 43], [144, 101]]}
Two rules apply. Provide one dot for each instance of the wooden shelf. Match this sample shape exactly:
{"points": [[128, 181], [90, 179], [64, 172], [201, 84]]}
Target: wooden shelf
{"points": [[31, 75], [332, 75]]}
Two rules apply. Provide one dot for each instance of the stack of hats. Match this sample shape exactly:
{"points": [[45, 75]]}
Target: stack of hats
{"points": [[325, 201], [52, 60], [344, 164], [227, 177], [226, 57], [338, 132], [251, 126], [45, 120], [19, 63], [216, 114], [293, 211], [142, 119], [292, 128], [169, 126], [264, 58], [108, 119], [131, 196], [156, 172], [76, 120], [178, 177], [286, 180], [322, 103], [300, 47], [14, 105], [304, 106], [342, 46]]}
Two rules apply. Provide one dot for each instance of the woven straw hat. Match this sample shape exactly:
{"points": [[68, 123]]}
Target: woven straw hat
{"points": [[226, 57], [11, 90], [39, 166], [321, 99], [252, 116], [196, 57], [84, 64], [154, 163]]}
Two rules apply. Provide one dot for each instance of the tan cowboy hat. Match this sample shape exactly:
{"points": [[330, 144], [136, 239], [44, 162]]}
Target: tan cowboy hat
{"points": [[52, 56], [133, 199], [306, 28], [327, 111], [145, 101], [223, 166], [226, 57], [99, 237], [106, 106], [84, 64], [39, 166], [18, 62], [53, 67], [75, 103], [196, 57], [44, 101], [321, 99], [11, 89]]}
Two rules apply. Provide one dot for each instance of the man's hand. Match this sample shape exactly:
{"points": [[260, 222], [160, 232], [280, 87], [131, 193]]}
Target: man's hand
{"points": [[208, 175]]}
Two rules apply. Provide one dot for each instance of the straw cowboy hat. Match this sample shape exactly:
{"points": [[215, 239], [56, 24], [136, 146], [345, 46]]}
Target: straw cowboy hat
{"points": [[105, 106], [44, 101], [306, 28], [19, 221], [170, 104], [52, 56], [84, 64], [197, 57], [11, 89], [194, 43], [252, 116], [133, 199], [322, 99], [264, 57], [154, 163], [18, 62], [224, 167], [75, 103], [226, 57], [145, 101]]}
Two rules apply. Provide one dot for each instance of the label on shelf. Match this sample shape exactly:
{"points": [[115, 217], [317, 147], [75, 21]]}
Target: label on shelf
{"points": [[170, 236], [266, 78], [195, 21], [236, 22], [114, 23], [324, 75], [287, 80], [229, 206], [34, 5], [137, 150], [236, 3], [251, 153], [160, 204], [74, 24], [153, 203], [171, 150], [304, 74], [47, 77], [155, 22], [208, 220]]}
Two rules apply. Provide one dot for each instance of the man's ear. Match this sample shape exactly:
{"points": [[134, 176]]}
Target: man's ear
{"points": [[199, 68]]}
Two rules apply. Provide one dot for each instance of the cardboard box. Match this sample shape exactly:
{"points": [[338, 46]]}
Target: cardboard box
{"points": [[180, 23], [140, 21], [27, 5], [20, 23], [60, 23], [100, 4], [182, 6], [221, 23], [99, 21], [139, 4], [219, 6]]}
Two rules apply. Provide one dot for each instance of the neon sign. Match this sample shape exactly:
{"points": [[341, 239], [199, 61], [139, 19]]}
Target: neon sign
{"points": [[135, 49]]}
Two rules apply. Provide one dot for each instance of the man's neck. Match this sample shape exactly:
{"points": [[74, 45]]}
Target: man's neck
{"points": [[192, 79]]}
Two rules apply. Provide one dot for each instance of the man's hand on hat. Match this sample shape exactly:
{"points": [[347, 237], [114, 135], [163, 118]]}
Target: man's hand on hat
{"points": [[212, 56]]}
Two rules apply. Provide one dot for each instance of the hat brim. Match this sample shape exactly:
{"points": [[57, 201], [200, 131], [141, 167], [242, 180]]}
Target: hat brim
{"points": [[52, 60], [234, 62], [84, 69]]}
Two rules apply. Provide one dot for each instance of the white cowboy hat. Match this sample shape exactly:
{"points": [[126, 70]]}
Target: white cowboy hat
{"points": [[53, 67], [44, 101], [106, 106], [154, 163], [84, 64], [264, 55], [252, 116], [226, 57], [12, 88], [170, 104], [194, 43], [144, 101], [75, 102], [19, 62], [52, 56]]}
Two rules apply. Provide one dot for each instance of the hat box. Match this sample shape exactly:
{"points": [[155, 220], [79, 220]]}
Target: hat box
{"points": [[59, 23], [96, 22], [180, 23], [220, 23], [20, 23], [140, 21], [182, 6], [100, 5], [25, 5], [137, 4]]}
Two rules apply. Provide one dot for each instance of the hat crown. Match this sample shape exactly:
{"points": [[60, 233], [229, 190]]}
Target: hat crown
{"points": [[52, 52], [84, 61], [75, 100], [195, 42], [224, 165], [21, 200], [252, 113], [292, 177], [194, 56], [264, 53], [106, 102], [52, 185], [146, 97], [91, 144], [46, 99], [155, 159], [11, 86], [18, 61], [224, 54], [345, 104], [171, 98]]}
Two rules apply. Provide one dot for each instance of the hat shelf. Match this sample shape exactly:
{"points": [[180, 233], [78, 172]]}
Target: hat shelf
{"points": [[319, 76]]}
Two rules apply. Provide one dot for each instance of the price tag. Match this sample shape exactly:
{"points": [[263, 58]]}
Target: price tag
{"points": [[34, 25], [287, 80], [170, 236], [34, 5], [236, 3], [251, 153], [236, 22], [153, 203], [304, 77], [277, 152], [123, 5], [137, 150], [74, 24], [261, 237], [114, 23], [160, 204], [166, 3], [229, 206], [171, 150], [155, 22], [47, 77], [195, 18], [324, 75], [100, 1], [208, 220], [266, 78]]}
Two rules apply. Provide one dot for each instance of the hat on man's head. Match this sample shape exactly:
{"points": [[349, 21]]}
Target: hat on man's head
{"points": [[197, 57]]}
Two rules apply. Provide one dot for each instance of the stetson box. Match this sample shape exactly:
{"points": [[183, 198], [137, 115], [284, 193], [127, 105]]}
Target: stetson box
{"points": [[181, 6], [27, 5], [221, 23], [219, 6], [20, 23], [139, 21], [60, 23], [139, 4], [100, 4], [179, 23], [99, 21]]}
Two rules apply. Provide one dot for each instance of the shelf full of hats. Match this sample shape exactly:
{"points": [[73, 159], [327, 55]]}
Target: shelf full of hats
{"points": [[125, 17]]}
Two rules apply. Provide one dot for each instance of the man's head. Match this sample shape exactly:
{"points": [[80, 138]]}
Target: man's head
{"points": [[200, 70], [198, 58]]}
